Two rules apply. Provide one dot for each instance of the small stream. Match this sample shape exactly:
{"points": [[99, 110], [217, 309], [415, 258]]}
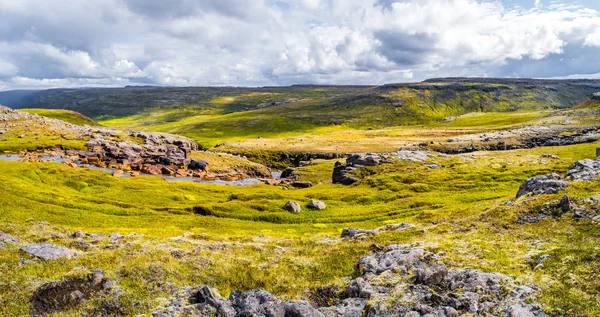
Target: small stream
{"points": [[59, 159]]}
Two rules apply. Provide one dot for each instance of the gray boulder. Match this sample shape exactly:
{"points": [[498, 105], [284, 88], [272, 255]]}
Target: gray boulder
{"points": [[292, 206], [544, 184], [47, 251], [316, 204]]}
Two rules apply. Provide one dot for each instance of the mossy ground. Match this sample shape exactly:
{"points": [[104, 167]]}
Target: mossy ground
{"points": [[250, 242]]}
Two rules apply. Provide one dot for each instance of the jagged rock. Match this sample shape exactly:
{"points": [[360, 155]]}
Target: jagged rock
{"points": [[541, 259], [288, 172], [316, 204], [67, 292], [584, 170], [565, 204], [198, 165], [292, 206], [47, 251], [544, 184], [358, 233]]}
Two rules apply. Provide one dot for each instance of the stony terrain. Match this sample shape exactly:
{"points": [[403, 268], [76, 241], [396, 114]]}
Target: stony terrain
{"points": [[486, 214]]}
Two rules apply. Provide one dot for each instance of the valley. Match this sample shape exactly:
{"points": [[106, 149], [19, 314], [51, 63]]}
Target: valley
{"points": [[393, 200]]}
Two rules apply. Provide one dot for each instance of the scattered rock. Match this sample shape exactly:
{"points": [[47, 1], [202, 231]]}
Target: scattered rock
{"points": [[544, 184], [395, 227], [316, 204], [47, 251], [550, 156], [114, 237], [352, 233], [292, 206], [78, 234]]}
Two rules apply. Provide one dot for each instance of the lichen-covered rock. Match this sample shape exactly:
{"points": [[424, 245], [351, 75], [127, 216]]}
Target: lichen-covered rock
{"points": [[543, 184], [369, 159], [584, 169], [47, 251]]}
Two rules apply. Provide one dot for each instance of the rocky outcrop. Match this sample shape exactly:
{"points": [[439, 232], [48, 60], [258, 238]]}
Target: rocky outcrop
{"points": [[398, 280], [544, 184]]}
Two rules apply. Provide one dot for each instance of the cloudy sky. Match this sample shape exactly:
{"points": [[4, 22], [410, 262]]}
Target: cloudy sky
{"points": [[79, 43]]}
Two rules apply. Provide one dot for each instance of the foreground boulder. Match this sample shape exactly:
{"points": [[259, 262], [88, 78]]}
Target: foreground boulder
{"points": [[544, 184], [67, 292], [47, 251]]}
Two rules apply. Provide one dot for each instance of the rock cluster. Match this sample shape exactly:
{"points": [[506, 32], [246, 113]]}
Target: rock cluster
{"points": [[158, 154], [584, 169], [398, 280]]}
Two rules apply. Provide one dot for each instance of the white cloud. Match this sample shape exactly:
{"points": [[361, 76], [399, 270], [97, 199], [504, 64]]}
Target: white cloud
{"points": [[267, 42]]}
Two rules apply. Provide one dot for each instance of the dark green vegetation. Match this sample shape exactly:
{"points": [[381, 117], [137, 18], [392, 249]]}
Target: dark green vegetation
{"points": [[214, 115]]}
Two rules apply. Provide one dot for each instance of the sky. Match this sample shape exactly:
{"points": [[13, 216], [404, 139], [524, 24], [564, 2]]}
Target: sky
{"points": [[112, 43]]}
